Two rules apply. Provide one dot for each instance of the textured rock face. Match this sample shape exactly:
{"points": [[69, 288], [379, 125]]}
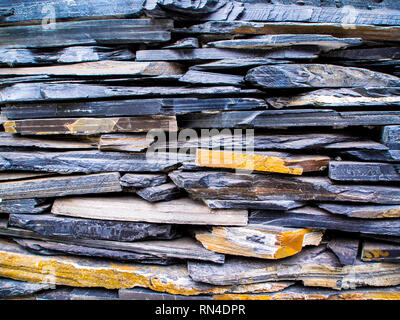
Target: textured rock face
{"points": [[199, 149]]}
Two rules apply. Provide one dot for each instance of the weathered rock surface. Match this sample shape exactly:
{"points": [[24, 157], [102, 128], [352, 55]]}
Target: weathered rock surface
{"points": [[77, 228], [24, 206], [87, 161], [91, 32], [345, 249], [24, 57], [101, 68], [12, 288], [23, 11], [15, 141], [253, 204], [60, 186], [334, 141], [180, 211], [391, 137], [373, 155], [125, 142], [318, 76], [362, 211], [46, 91], [325, 42], [49, 248], [234, 186], [312, 218], [289, 118], [143, 180], [338, 98], [77, 272], [305, 52], [163, 192], [315, 267], [127, 107], [380, 252], [87, 126], [269, 161], [366, 32], [186, 43], [363, 171], [242, 63], [304, 293], [211, 78], [258, 241]]}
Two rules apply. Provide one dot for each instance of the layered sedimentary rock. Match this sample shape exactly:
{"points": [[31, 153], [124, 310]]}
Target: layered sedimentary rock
{"points": [[258, 241], [230, 186], [179, 211], [60, 186], [203, 149]]}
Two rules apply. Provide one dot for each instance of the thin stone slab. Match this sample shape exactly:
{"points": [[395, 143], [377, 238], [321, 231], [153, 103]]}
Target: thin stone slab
{"points": [[258, 241], [391, 137], [346, 249], [289, 118], [235, 186], [380, 53], [146, 294], [91, 32], [45, 91], [362, 211], [309, 141], [211, 78], [165, 248], [48, 248], [60, 186], [312, 218], [228, 64], [77, 228], [87, 126], [125, 142], [163, 192], [315, 267], [70, 293], [373, 155], [325, 42], [380, 252], [24, 206], [348, 13], [366, 32], [19, 142], [318, 76], [100, 69], [127, 107], [143, 180], [363, 171], [25, 57], [338, 98], [180, 211], [20, 175], [23, 11], [78, 272], [87, 161], [253, 204], [185, 43], [304, 293], [305, 52], [266, 162], [13, 288]]}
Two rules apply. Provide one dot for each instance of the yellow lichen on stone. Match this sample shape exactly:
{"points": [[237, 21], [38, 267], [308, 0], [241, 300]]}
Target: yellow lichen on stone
{"points": [[9, 126], [224, 159], [92, 125]]}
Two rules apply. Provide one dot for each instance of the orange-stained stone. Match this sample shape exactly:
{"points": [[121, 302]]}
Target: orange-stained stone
{"points": [[260, 162]]}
